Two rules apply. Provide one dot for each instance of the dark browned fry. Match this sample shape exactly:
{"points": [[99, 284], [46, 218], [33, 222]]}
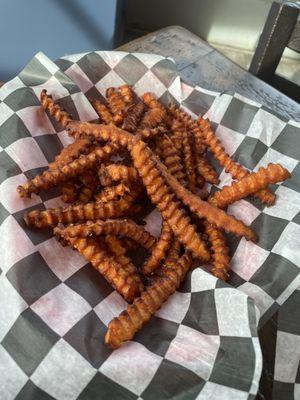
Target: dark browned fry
{"points": [[119, 172], [69, 192], [85, 194], [133, 117], [188, 160]]}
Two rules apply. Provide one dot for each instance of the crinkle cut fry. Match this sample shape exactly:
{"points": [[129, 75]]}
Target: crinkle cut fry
{"points": [[159, 250], [117, 105], [203, 209], [152, 118], [170, 157], [171, 210], [85, 194], [235, 169], [79, 213], [133, 117], [206, 170], [119, 252], [119, 172], [54, 109], [220, 251], [71, 152], [104, 132], [112, 192], [249, 185], [102, 111], [69, 192], [123, 227], [189, 161], [126, 282], [127, 93], [51, 178], [190, 125], [125, 326]]}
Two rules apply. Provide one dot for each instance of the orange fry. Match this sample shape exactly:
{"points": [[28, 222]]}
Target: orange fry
{"points": [[71, 152], [205, 169], [117, 104], [171, 210], [125, 227], [249, 185], [235, 169], [127, 93], [125, 280], [102, 111], [53, 177], [85, 194], [112, 192], [125, 326], [54, 109], [189, 161], [79, 212], [205, 210], [159, 250], [119, 172], [220, 251]]}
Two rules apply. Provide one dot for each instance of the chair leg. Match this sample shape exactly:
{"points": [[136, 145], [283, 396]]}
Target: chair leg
{"points": [[274, 38]]}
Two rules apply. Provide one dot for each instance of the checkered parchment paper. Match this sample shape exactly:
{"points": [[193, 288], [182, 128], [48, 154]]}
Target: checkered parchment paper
{"points": [[54, 308]]}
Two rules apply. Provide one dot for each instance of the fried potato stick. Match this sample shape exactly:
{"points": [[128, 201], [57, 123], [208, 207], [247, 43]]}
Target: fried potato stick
{"points": [[205, 169], [54, 109], [117, 105], [102, 111], [85, 194], [69, 192], [79, 213], [51, 178], [188, 160], [119, 252], [235, 169], [71, 152], [220, 251], [127, 93], [119, 172], [123, 227], [249, 185], [159, 250], [171, 210], [125, 326], [125, 281], [205, 210], [112, 192]]}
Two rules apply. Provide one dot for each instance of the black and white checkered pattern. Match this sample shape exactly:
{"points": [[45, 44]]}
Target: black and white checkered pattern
{"points": [[55, 308]]}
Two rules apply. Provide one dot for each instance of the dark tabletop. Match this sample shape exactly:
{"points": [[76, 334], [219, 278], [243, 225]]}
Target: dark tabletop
{"points": [[200, 64]]}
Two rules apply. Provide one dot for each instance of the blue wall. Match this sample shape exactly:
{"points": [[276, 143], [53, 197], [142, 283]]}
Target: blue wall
{"points": [[56, 27]]}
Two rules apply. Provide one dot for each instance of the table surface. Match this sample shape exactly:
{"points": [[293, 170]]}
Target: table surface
{"points": [[200, 64]]}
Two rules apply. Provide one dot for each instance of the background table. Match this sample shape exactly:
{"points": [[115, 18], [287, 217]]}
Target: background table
{"points": [[200, 64]]}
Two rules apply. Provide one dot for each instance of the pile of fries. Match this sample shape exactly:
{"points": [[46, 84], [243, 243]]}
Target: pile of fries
{"points": [[142, 150]]}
